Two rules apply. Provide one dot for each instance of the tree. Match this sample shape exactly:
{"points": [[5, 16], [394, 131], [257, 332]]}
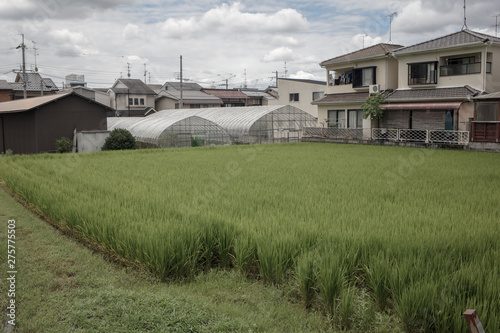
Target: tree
{"points": [[120, 139], [372, 108]]}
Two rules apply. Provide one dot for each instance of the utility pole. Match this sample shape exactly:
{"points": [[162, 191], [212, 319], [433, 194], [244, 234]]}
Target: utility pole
{"points": [[145, 74], [181, 104], [128, 70], [22, 46], [245, 85], [286, 71]]}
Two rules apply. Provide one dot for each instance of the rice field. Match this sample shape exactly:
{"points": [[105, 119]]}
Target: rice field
{"points": [[413, 233]]}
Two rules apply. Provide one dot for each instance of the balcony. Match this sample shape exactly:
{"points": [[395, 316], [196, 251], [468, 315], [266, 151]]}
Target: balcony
{"points": [[463, 69]]}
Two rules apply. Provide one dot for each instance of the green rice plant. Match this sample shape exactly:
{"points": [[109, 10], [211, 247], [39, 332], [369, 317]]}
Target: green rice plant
{"points": [[346, 309], [331, 280], [276, 258], [245, 250], [377, 273], [306, 277]]}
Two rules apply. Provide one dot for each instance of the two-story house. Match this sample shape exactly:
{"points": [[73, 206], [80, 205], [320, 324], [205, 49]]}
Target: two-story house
{"points": [[169, 97], [299, 93], [438, 78], [350, 80], [132, 98]]}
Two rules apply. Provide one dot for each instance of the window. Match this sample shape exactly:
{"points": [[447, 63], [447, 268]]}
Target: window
{"points": [[256, 101], [355, 119], [336, 118], [422, 73], [141, 101], [136, 101], [294, 97], [317, 95], [461, 66], [130, 101], [194, 106], [364, 77], [487, 111], [177, 105]]}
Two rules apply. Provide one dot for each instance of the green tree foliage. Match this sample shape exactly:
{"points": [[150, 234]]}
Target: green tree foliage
{"points": [[120, 139], [64, 145], [372, 108]]}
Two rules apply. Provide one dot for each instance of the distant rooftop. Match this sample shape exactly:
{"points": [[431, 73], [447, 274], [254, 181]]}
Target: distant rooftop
{"points": [[134, 86], [304, 81], [377, 50]]}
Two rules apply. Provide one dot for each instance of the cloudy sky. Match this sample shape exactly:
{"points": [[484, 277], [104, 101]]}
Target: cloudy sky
{"points": [[218, 40]]}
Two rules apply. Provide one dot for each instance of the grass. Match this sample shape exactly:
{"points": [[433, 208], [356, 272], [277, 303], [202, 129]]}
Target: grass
{"points": [[362, 232], [63, 286]]}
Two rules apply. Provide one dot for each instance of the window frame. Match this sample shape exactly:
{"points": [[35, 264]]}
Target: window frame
{"points": [[292, 97], [359, 121], [337, 122], [358, 77], [415, 79]]}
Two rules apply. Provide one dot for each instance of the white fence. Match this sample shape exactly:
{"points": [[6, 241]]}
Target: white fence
{"points": [[427, 136], [398, 135]]}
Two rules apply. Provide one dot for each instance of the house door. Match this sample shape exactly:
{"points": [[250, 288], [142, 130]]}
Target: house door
{"points": [[448, 120]]}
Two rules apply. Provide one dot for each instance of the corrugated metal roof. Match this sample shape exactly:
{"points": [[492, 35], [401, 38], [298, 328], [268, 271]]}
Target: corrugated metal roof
{"points": [[21, 105], [461, 38], [377, 50], [459, 93], [357, 97]]}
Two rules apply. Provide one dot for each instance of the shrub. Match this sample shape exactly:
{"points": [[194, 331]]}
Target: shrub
{"points": [[64, 145], [120, 139]]}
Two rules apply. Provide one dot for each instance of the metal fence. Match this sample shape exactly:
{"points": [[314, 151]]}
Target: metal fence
{"points": [[398, 135], [427, 136]]}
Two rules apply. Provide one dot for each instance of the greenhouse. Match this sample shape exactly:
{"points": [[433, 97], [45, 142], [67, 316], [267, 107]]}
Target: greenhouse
{"points": [[178, 130], [258, 124]]}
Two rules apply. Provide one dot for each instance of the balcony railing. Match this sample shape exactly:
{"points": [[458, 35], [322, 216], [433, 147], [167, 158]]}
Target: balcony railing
{"points": [[463, 69]]}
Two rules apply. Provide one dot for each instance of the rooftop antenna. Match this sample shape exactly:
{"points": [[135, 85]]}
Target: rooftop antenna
{"points": [[390, 25], [364, 36], [128, 70], [35, 54], [465, 27], [496, 24]]}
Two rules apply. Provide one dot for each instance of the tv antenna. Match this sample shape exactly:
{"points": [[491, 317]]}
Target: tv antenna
{"points": [[465, 27], [35, 54], [390, 25], [496, 24]]}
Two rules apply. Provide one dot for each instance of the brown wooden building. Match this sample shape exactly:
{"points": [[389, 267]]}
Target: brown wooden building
{"points": [[33, 125], [486, 124]]}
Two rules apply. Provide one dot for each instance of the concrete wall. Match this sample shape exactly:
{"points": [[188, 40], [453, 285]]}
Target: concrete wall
{"points": [[305, 91], [90, 141]]}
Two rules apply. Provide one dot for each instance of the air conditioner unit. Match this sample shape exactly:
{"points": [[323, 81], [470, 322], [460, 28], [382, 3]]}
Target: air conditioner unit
{"points": [[374, 88]]}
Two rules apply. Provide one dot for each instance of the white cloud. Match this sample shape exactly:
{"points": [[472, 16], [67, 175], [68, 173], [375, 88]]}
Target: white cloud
{"points": [[285, 40], [71, 42], [131, 31], [230, 19], [279, 54], [303, 75]]}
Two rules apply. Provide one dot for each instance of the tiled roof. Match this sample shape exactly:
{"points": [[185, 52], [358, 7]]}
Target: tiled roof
{"points": [[460, 38], [377, 50], [134, 86], [185, 86], [357, 97], [489, 96], [226, 93], [458, 93], [191, 97], [33, 83], [305, 81]]}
